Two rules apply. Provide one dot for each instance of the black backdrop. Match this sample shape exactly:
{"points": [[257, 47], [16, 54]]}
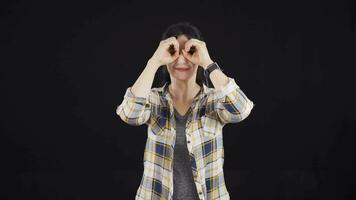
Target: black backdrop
{"points": [[65, 66]]}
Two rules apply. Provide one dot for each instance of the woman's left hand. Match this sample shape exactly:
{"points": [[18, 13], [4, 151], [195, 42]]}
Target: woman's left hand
{"points": [[200, 53]]}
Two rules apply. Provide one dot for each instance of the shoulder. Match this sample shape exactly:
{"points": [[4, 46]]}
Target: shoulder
{"points": [[157, 91], [209, 92], [155, 95]]}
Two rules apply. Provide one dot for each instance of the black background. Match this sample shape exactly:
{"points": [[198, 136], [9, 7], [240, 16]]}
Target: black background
{"points": [[65, 66]]}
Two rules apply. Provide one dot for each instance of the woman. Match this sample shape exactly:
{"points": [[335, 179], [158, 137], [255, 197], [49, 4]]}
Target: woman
{"points": [[184, 153]]}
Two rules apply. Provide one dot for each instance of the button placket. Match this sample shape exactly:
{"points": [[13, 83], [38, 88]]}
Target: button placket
{"points": [[200, 193], [198, 185], [189, 142]]}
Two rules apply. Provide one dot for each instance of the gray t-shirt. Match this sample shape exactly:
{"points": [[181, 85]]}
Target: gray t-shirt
{"points": [[183, 183]]}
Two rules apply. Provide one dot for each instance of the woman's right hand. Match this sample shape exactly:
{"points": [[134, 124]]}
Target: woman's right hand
{"points": [[167, 51]]}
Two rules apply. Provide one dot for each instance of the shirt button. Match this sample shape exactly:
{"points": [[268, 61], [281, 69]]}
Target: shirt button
{"points": [[200, 193], [188, 141]]}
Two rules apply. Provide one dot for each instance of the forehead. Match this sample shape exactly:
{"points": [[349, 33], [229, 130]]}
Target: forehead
{"points": [[182, 39]]}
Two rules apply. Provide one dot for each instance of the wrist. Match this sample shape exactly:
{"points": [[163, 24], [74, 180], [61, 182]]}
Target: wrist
{"points": [[211, 68], [154, 62], [207, 63]]}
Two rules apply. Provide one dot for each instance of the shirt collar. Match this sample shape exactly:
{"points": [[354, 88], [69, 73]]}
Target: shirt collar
{"points": [[202, 92]]}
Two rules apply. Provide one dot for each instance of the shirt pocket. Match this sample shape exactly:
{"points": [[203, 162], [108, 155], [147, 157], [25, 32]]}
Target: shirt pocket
{"points": [[159, 124], [209, 126]]}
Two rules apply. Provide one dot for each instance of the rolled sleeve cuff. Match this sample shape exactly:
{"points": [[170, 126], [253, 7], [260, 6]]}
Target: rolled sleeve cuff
{"points": [[227, 89], [130, 99], [130, 96]]}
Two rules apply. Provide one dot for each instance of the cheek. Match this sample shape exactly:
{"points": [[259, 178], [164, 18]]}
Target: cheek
{"points": [[170, 69]]}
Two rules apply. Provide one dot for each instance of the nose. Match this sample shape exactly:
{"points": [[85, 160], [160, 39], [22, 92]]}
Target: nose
{"points": [[181, 59]]}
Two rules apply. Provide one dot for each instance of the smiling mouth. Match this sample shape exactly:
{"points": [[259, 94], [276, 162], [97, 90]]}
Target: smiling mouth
{"points": [[181, 69]]}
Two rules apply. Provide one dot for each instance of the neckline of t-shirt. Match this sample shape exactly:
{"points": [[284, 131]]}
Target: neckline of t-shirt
{"points": [[179, 115]]}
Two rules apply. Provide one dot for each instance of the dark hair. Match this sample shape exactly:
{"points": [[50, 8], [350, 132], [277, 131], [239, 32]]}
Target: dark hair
{"points": [[190, 31]]}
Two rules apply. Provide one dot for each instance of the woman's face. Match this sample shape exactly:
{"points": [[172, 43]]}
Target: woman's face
{"points": [[182, 69]]}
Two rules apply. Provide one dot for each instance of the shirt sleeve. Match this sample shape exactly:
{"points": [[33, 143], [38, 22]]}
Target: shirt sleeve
{"points": [[230, 103], [134, 110]]}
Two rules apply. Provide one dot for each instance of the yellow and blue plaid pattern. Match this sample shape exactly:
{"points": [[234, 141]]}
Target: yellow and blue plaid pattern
{"points": [[209, 112]]}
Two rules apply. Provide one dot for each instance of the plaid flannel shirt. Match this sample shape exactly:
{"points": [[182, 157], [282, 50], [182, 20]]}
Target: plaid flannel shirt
{"points": [[210, 110]]}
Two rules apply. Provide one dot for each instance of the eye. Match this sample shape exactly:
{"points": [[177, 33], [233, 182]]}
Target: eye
{"points": [[192, 50], [171, 49]]}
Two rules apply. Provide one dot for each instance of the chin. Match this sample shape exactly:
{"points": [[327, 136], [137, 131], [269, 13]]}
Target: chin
{"points": [[182, 77]]}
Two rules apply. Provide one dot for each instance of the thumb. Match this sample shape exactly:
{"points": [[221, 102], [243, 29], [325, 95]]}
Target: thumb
{"points": [[186, 54], [175, 55]]}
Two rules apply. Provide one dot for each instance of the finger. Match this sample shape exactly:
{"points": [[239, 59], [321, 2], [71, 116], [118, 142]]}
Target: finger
{"points": [[173, 46], [176, 53], [172, 39], [190, 43], [171, 49], [196, 40], [186, 54], [168, 41], [176, 45], [199, 43], [171, 42]]}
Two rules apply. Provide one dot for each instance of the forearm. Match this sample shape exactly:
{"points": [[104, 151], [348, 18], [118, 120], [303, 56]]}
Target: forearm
{"points": [[218, 78], [142, 86]]}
